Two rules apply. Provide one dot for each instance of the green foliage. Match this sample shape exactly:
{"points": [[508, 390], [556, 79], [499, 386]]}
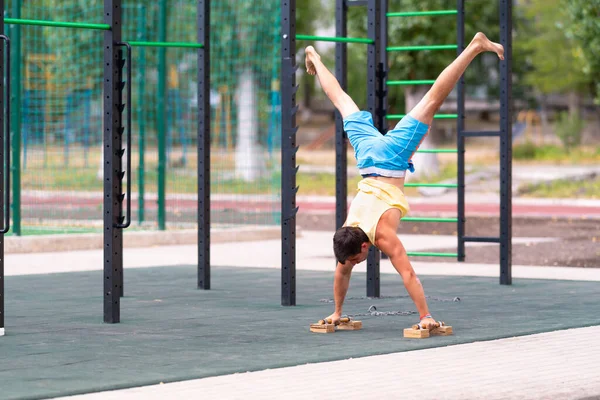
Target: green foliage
{"points": [[550, 53], [584, 29], [525, 151], [569, 129], [529, 151], [565, 189]]}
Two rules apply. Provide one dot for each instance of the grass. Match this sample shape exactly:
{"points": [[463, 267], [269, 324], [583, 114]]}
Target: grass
{"points": [[582, 189], [529, 151]]}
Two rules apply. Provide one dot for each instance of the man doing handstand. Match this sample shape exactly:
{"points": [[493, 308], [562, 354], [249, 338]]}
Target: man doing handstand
{"points": [[383, 160]]}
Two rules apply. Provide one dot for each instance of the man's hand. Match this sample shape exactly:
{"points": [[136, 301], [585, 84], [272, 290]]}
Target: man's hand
{"points": [[428, 323], [334, 318]]}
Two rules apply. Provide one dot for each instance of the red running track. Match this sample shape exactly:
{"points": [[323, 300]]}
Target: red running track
{"points": [[417, 209]]}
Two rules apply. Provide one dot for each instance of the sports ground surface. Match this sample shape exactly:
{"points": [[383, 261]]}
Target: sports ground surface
{"points": [[57, 345]]}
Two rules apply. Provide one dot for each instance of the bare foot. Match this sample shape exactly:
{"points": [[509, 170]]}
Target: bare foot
{"points": [[333, 319], [311, 55], [484, 44]]}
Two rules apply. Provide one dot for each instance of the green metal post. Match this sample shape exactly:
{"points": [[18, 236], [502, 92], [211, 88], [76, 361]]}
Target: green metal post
{"points": [[160, 113], [15, 98], [141, 78]]}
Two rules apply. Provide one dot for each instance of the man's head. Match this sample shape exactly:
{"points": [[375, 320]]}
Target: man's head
{"points": [[351, 243]]}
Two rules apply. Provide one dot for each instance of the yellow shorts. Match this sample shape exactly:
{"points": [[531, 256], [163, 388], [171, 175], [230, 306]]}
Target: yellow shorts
{"points": [[372, 200]]}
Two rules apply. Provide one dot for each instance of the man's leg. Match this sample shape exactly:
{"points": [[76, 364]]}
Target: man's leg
{"points": [[432, 101], [331, 87]]}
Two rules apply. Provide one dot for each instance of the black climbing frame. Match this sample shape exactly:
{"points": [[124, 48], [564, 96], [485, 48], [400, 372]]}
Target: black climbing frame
{"points": [[375, 96], [115, 220], [377, 75], [113, 162], [288, 152], [4, 154], [376, 101], [204, 145]]}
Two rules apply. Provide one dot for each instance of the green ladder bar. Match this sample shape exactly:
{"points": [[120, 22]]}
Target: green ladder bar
{"points": [[57, 24], [411, 82], [425, 47], [438, 116], [335, 39], [432, 185], [421, 13], [423, 219], [426, 254], [167, 44]]}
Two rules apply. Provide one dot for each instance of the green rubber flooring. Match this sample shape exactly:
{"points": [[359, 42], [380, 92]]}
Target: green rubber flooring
{"points": [[56, 343]]}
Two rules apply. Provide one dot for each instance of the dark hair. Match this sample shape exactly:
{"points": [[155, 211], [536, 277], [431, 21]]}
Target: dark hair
{"points": [[347, 242]]}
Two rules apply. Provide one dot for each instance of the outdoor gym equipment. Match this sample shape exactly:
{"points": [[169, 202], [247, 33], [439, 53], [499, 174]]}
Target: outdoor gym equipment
{"points": [[377, 49], [114, 83]]}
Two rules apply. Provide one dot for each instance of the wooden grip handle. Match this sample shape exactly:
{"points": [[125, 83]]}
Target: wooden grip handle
{"points": [[328, 320], [418, 326]]}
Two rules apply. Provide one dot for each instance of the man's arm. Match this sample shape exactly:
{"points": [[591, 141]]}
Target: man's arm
{"points": [[389, 243], [341, 282]]}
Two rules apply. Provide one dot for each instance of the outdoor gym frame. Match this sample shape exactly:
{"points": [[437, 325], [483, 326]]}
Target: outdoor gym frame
{"points": [[377, 65], [115, 219]]}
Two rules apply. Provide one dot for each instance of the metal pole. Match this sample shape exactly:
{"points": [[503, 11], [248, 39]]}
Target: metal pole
{"points": [[506, 144], [288, 152], [113, 130], [2, 133], [161, 111], [341, 146], [384, 64], [16, 118], [374, 77], [203, 143], [460, 138], [141, 80]]}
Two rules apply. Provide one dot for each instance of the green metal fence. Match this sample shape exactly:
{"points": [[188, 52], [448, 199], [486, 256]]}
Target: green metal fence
{"points": [[57, 50]]}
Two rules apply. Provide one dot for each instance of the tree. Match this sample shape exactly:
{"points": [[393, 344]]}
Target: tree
{"points": [[552, 54], [584, 29]]}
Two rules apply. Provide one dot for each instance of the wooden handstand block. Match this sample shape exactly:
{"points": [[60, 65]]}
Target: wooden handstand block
{"points": [[350, 326], [325, 326], [322, 328], [419, 332]]}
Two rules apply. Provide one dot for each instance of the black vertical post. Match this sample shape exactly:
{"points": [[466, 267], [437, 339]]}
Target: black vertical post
{"points": [[288, 152], [374, 78], [2, 133], [341, 147], [113, 130], [203, 143], [383, 40], [506, 144], [460, 139]]}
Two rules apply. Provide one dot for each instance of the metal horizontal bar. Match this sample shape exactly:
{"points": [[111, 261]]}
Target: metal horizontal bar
{"points": [[421, 13], [334, 39], [426, 254], [480, 133], [56, 24], [438, 116], [421, 219], [437, 151], [481, 239], [424, 47], [433, 185], [167, 44], [356, 3], [411, 82]]}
